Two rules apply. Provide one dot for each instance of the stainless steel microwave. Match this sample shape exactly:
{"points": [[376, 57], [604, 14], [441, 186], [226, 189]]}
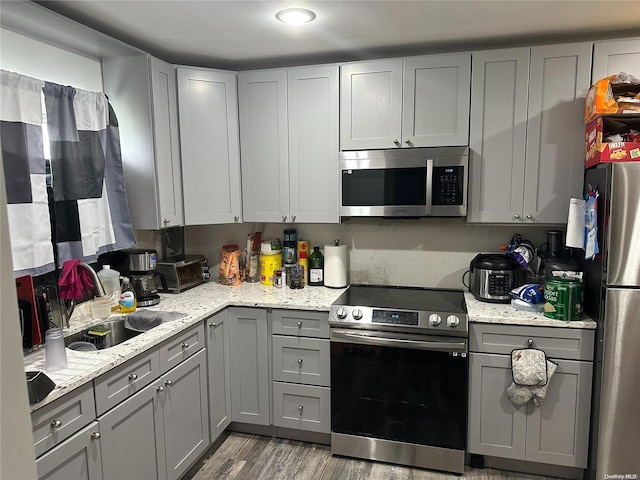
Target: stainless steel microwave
{"points": [[412, 182]]}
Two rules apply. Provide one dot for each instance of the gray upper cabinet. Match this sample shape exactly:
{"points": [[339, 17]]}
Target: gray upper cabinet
{"points": [[142, 90], [218, 370], [210, 146], [289, 144], [527, 133], [420, 101], [614, 56], [249, 365]]}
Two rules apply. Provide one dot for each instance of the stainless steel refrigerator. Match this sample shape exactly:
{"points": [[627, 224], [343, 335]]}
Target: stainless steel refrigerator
{"points": [[612, 298]]}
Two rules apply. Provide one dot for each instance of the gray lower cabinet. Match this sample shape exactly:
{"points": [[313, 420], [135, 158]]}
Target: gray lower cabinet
{"points": [[159, 432], [556, 433], [217, 334], [301, 370], [249, 365], [76, 458]]}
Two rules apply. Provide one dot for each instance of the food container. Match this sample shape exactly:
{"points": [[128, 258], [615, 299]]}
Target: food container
{"points": [[268, 264], [563, 299]]}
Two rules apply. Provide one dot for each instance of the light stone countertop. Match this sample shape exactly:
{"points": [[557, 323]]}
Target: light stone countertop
{"points": [[205, 300], [504, 313], [198, 303]]}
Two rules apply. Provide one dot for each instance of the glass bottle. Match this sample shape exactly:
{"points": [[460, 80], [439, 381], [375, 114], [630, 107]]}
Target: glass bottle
{"points": [[316, 268]]}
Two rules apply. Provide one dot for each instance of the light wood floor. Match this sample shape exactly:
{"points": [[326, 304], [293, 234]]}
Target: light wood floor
{"points": [[253, 457]]}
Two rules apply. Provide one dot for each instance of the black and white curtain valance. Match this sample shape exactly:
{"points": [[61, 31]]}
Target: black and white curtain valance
{"points": [[86, 212]]}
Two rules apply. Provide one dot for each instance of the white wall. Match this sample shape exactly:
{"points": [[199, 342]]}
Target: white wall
{"points": [[33, 58], [430, 252]]}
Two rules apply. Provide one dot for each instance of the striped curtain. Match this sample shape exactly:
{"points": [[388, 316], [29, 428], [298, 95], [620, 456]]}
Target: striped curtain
{"points": [[90, 214], [25, 174]]}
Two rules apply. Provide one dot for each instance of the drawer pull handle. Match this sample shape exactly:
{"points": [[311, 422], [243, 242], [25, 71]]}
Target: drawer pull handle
{"points": [[185, 345], [530, 343], [160, 388], [300, 407], [132, 377], [95, 435], [56, 424], [168, 383], [212, 324], [299, 324], [300, 361]]}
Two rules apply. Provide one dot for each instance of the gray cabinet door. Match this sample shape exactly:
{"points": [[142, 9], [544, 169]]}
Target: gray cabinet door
{"points": [[614, 56], [371, 105], [496, 427], [186, 414], [436, 96], [497, 135], [558, 431], [77, 458], [219, 376], [559, 79], [312, 104], [132, 437], [249, 362], [210, 145], [262, 100]]}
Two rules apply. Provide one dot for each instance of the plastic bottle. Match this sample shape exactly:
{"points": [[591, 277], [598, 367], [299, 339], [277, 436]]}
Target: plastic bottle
{"points": [[110, 280], [316, 268], [127, 297]]}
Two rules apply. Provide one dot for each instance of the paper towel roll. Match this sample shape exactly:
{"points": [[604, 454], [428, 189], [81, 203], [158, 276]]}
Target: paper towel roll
{"points": [[335, 266], [575, 223]]}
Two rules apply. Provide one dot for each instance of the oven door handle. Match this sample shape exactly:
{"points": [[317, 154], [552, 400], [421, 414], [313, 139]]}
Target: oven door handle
{"points": [[399, 342]]}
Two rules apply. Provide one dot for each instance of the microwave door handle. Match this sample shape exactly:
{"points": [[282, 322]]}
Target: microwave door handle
{"points": [[429, 189]]}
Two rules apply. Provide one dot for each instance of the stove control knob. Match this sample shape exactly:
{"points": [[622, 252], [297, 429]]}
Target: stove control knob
{"points": [[434, 319], [341, 313], [356, 314], [453, 321]]}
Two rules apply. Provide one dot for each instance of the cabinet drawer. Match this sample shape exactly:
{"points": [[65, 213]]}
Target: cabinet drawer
{"points": [[59, 420], [302, 407], [301, 323], [569, 343], [125, 380], [301, 360], [181, 346]]}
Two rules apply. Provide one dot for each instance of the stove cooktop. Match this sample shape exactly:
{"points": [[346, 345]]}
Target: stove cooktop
{"points": [[409, 309]]}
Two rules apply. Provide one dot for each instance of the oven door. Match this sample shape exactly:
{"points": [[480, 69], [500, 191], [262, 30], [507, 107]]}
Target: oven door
{"points": [[399, 387]]}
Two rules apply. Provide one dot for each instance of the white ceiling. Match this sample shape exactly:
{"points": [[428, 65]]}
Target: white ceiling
{"points": [[244, 34]]}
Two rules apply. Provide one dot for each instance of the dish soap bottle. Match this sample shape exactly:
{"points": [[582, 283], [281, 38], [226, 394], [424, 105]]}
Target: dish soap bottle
{"points": [[127, 297], [316, 268]]}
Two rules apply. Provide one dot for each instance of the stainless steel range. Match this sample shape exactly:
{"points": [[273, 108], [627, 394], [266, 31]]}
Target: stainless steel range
{"points": [[399, 376]]}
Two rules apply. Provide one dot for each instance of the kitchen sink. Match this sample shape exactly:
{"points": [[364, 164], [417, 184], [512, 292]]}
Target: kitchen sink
{"points": [[118, 334]]}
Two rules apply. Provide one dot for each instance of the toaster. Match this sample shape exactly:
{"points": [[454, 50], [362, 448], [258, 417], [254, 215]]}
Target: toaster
{"points": [[183, 272]]}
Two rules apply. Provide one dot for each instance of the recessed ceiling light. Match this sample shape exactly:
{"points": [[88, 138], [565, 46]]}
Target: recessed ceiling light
{"points": [[295, 16]]}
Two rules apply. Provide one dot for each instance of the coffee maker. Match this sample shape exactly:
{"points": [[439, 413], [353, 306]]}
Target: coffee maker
{"points": [[143, 275]]}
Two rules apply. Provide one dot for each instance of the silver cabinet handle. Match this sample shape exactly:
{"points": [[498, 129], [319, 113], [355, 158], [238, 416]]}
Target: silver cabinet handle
{"points": [[132, 377], [160, 388], [300, 407], [55, 424], [185, 345], [407, 141], [95, 435], [168, 383], [300, 361], [529, 217], [293, 218], [516, 216], [396, 142], [212, 324], [236, 218], [299, 324], [166, 220]]}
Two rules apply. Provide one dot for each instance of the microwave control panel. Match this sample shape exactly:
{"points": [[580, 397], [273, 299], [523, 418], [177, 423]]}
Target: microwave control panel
{"points": [[448, 183]]}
